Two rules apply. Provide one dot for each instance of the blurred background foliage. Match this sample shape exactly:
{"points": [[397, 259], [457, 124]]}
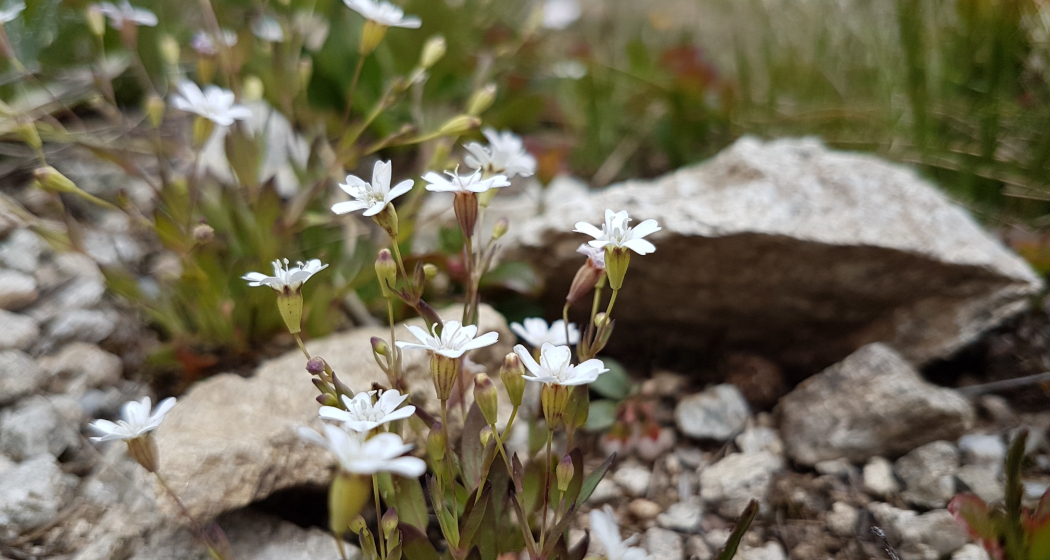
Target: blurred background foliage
{"points": [[957, 88]]}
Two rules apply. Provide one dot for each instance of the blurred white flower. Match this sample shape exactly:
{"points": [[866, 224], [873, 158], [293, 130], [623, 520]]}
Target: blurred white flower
{"points": [[455, 339], [356, 455], [595, 256], [605, 529], [371, 197], [214, 103], [286, 278], [135, 420], [383, 13], [312, 27], [125, 12], [457, 183], [505, 154], [569, 69], [535, 332], [555, 366], [204, 45], [559, 14], [617, 233], [11, 11], [362, 415], [268, 29]]}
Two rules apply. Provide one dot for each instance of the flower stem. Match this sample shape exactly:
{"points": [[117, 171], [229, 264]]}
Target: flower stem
{"points": [[400, 263], [451, 461], [612, 301], [546, 487], [379, 517], [565, 319], [299, 341], [468, 249], [392, 361], [194, 525], [353, 88]]}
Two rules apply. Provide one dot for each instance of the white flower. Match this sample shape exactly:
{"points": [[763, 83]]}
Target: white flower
{"points": [[381, 453], [214, 103], [127, 13], [559, 14], [205, 46], [362, 415], [505, 154], [595, 256], [457, 183], [135, 420], [569, 69], [10, 13], [268, 29], [555, 366], [605, 529], [371, 197], [383, 13], [535, 332], [286, 278], [455, 339], [615, 232]]}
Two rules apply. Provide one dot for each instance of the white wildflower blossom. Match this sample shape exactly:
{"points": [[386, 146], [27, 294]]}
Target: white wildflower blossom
{"points": [[268, 29], [125, 12], [383, 13], [135, 421], [371, 197], [363, 415], [205, 46], [213, 103], [286, 278], [559, 14], [535, 332], [555, 366], [11, 11], [505, 154], [596, 256], [454, 341], [605, 529], [456, 183], [357, 455], [616, 233]]}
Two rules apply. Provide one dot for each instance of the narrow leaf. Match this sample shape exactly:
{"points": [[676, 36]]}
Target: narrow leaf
{"points": [[742, 523], [415, 545], [592, 480]]}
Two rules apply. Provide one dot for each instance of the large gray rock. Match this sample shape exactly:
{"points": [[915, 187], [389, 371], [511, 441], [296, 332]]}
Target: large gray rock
{"points": [[31, 494], [38, 426], [792, 250], [16, 289], [718, 413], [928, 473], [935, 531], [731, 483], [19, 375], [871, 403], [232, 440], [18, 332]]}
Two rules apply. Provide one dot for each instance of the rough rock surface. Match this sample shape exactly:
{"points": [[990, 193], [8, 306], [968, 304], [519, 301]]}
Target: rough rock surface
{"points": [[718, 413], [19, 375], [928, 473], [871, 403], [730, 483], [792, 250], [231, 441], [31, 493]]}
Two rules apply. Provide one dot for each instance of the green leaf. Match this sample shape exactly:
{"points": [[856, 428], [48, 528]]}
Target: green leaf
{"points": [[473, 454], [742, 523], [592, 480], [613, 384], [410, 502], [415, 544], [474, 515], [576, 484], [602, 415], [1013, 532]]}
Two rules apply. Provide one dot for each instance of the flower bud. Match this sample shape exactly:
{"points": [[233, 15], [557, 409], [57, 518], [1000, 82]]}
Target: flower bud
{"points": [[564, 471], [386, 271], [347, 495], [458, 125], [49, 179], [481, 100], [315, 365], [466, 206], [202, 129], [433, 50], [306, 69], [512, 374], [169, 50], [29, 135], [291, 307], [371, 35], [387, 219], [437, 440], [203, 233], [96, 20], [379, 346], [328, 399], [358, 524], [586, 278], [616, 261], [554, 398], [253, 88], [389, 522], [143, 450], [500, 229], [155, 109], [445, 371], [430, 271], [486, 397], [485, 436]]}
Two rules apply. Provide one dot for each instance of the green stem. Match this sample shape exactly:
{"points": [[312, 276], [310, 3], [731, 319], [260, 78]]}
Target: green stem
{"points": [[546, 488], [392, 362], [449, 458], [379, 517], [195, 527], [299, 341], [353, 88]]}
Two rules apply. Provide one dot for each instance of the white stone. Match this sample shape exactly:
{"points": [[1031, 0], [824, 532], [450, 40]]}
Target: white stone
{"points": [[842, 519], [718, 413], [19, 332], [663, 544], [19, 375], [684, 516], [769, 551], [31, 494], [16, 289], [633, 479], [971, 552], [879, 478], [928, 473], [730, 483]]}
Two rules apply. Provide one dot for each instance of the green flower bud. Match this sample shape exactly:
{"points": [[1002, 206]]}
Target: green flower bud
{"points": [[358, 524], [49, 179], [347, 495], [481, 100], [430, 271], [616, 261], [433, 50], [486, 397], [389, 522], [379, 346], [155, 109], [169, 50], [30, 135], [458, 125], [437, 440], [500, 229], [371, 35], [291, 307], [445, 372], [564, 471], [512, 374], [328, 399], [485, 436], [253, 88], [386, 271]]}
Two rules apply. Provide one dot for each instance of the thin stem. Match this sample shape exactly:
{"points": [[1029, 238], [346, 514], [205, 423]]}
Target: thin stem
{"points": [[224, 50], [612, 301], [353, 87], [595, 303], [565, 320], [400, 263], [299, 340], [449, 458], [468, 249], [196, 527], [379, 517], [546, 488], [395, 375]]}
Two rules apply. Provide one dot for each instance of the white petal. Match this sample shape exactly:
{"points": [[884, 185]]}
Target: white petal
{"points": [[588, 229], [487, 339], [348, 206], [401, 188], [420, 334], [640, 246], [527, 359], [333, 413], [645, 228]]}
